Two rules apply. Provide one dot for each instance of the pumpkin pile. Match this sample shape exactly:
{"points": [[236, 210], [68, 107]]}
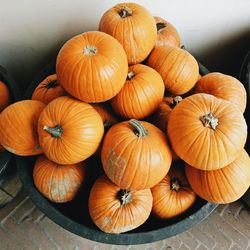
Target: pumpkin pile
{"points": [[131, 96]]}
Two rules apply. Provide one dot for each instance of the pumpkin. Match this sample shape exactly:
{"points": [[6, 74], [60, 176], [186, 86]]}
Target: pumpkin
{"points": [[135, 155], [48, 90], [92, 66], [4, 96], [108, 119], [69, 130], [161, 116], [173, 195], [116, 210], [207, 132], [18, 127], [133, 26], [166, 33], [225, 87], [58, 183], [223, 185], [177, 67], [141, 94]]}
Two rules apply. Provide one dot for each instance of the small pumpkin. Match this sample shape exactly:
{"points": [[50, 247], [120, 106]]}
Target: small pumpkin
{"points": [[92, 66], [116, 210], [69, 130], [141, 94], [108, 119], [133, 26], [161, 116], [223, 185], [58, 183], [207, 132], [4, 96], [225, 87], [135, 155], [177, 67], [18, 127], [166, 33], [48, 90], [173, 195]]}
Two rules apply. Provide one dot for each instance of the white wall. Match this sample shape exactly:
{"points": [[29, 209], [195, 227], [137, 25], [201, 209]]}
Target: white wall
{"points": [[32, 31]]}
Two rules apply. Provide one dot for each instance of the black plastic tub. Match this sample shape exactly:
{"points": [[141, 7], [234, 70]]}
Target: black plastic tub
{"points": [[74, 215], [9, 185]]}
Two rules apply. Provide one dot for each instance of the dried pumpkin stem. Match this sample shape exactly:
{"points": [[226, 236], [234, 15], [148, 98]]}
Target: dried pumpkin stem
{"points": [[125, 12], [52, 84], [124, 196], [140, 130], [90, 50], [175, 185], [130, 75], [209, 121], [55, 131], [160, 26]]}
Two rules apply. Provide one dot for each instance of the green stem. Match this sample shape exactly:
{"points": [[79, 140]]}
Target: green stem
{"points": [[56, 131], [140, 130]]}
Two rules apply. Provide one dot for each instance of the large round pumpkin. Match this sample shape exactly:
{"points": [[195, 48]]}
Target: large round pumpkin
{"points": [[173, 195], [69, 130], [59, 183], [166, 33], [48, 90], [223, 185], [18, 127], [207, 132], [225, 87], [133, 26], [135, 155], [4, 96], [178, 68], [116, 210], [92, 66], [141, 95]]}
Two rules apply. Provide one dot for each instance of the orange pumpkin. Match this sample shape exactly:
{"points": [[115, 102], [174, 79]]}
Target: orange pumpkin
{"points": [[135, 155], [223, 185], [178, 68], [108, 119], [4, 96], [173, 195], [48, 90], [141, 94], [133, 26], [225, 87], [69, 130], [166, 33], [116, 210], [207, 132], [161, 116], [92, 66], [18, 127], [58, 183]]}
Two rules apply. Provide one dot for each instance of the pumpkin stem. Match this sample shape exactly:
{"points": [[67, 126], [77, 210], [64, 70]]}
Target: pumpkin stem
{"points": [[160, 26], [183, 47], [55, 131], [124, 196], [140, 130], [130, 75], [125, 12], [209, 121], [52, 84], [90, 50], [175, 185], [176, 100]]}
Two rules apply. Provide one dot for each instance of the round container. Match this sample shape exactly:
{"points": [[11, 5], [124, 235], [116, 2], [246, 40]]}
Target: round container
{"points": [[9, 181]]}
